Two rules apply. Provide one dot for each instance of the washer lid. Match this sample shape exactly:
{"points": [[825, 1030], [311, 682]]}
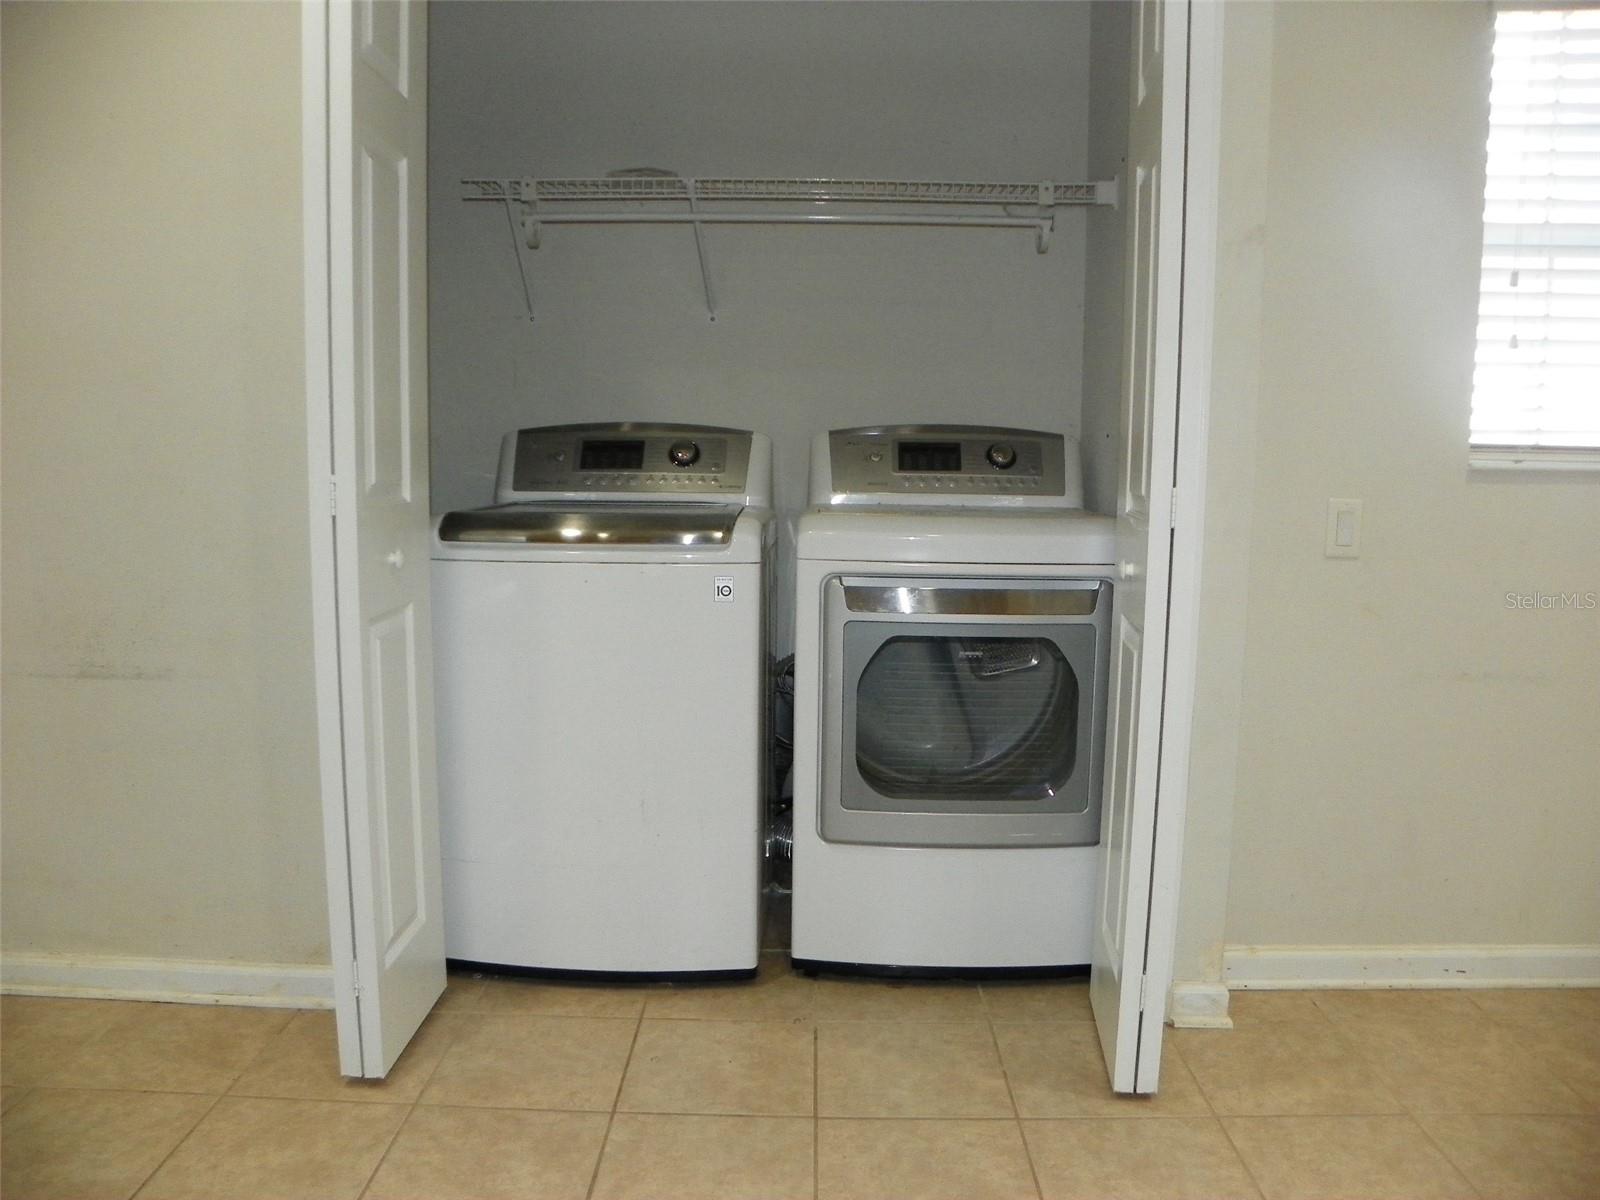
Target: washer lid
{"points": [[682, 524]]}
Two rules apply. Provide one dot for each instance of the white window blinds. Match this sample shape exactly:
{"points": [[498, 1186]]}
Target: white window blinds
{"points": [[1537, 377]]}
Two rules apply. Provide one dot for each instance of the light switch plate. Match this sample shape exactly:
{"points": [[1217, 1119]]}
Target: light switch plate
{"points": [[1344, 529]]}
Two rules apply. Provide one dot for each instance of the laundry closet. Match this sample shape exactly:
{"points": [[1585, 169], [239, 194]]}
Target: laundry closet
{"points": [[814, 327], [786, 218]]}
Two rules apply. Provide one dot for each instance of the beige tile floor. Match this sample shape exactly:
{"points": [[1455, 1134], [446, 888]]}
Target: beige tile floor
{"points": [[787, 1087]]}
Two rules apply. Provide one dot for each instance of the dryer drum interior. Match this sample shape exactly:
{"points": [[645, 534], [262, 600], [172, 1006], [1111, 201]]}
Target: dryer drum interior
{"points": [[945, 716]]}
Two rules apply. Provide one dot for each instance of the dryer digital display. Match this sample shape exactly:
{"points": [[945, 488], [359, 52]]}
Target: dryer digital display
{"points": [[928, 456]]}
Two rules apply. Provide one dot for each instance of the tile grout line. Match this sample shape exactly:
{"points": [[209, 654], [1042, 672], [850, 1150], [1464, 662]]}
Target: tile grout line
{"points": [[816, 1111], [1555, 1064], [1205, 1098], [1237, 1154], [1445, 1154], [266, 1045], [22, 1095], [1016, 1111], [438, 1062], [616, 1099], [210, 1108], [1223, 1123], [1353, 1048], [411, 1110], [366, 1187], [176, 1146], [146, 1091]]}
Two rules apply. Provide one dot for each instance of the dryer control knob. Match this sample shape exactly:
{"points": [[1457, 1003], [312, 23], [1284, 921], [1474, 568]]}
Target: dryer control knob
{"points": [[1002, 456], [683, 454]]}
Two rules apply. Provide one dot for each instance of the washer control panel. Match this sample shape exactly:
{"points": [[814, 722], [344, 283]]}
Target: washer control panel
{"points": [[954, 461], [628, 458]]}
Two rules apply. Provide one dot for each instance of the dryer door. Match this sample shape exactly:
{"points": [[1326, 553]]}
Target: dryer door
{"points": [[964, 712]]}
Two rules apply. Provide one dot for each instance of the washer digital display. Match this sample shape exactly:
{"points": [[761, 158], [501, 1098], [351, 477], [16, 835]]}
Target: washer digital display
{"points": [[611, 455]]}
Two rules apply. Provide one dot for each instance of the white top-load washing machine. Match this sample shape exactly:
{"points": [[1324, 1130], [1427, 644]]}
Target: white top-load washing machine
{"points": [[951, 660], [601, 677]]}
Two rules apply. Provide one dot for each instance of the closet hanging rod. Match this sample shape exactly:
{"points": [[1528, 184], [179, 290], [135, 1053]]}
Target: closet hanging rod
{"points": [[730, 218], [903, 191]]}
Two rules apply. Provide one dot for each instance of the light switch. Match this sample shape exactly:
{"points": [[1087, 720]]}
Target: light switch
{"points": [[1344, 529]]}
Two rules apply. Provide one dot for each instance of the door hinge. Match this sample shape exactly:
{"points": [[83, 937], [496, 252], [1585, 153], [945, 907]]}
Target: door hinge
{"points": [[1143, 981], [1172, 510], [355, 977], [333, 496]]}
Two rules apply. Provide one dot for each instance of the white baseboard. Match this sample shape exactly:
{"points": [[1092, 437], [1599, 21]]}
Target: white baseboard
{"points": [[1463, 966], [1197, 1005], [260, 985]]}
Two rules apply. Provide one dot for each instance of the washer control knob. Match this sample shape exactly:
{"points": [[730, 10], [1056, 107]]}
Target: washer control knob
{"points": [[1002, 456], [683, 454]]}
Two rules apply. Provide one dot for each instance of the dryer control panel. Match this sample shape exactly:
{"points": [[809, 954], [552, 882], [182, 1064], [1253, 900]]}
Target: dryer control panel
{"points": [[968, 466], [624, 459]]}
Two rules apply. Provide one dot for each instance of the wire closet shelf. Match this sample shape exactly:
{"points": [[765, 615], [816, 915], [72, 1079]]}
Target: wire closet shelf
{"points": [[665, 199]]}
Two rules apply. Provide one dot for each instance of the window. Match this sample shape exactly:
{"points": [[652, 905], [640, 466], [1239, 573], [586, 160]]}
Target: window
{"points": [[1536, 386]]}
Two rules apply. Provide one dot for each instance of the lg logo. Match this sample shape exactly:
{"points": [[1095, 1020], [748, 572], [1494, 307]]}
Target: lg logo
{"points": [[723, 593]]}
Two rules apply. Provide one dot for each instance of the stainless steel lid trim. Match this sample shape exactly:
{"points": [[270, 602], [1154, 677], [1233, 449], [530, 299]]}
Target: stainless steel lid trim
{"points": [[956, 431], [1075, 599], [675, 525], [640, 428]]}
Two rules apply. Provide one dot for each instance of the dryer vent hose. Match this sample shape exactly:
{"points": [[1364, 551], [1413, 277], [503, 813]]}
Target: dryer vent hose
{"points": [[780, 838]]}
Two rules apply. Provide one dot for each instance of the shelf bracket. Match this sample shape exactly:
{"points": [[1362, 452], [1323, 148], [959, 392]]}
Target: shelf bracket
{"points": [[1047, 216], [531, 236], [700, 251], [530, 214]]}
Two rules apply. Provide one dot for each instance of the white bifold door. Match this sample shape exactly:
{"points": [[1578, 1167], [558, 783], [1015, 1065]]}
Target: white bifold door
{"points": [[365, 85], [1131, 970], [365, 131]]}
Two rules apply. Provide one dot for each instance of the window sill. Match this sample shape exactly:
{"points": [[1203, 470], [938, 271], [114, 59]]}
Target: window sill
{"points": [[1506, 458]]}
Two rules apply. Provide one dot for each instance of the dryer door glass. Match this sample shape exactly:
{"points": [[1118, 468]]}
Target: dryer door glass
{"points": [[991, 719]]}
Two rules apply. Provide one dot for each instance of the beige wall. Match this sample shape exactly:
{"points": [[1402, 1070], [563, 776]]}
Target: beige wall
{"points": [[1230, 500], [159, 785], [1415, 761]]}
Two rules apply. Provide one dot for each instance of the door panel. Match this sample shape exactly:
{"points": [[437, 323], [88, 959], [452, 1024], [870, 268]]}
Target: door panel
{"points": [[1124, 740], [1130, 1040], [384, 858], [382, 301], [396, 788], [386, 42], [1140, 395]]}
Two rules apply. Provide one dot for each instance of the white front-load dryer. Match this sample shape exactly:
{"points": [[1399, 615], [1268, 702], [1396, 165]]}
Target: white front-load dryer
{"points": [[951, 660], [601, 679]]}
